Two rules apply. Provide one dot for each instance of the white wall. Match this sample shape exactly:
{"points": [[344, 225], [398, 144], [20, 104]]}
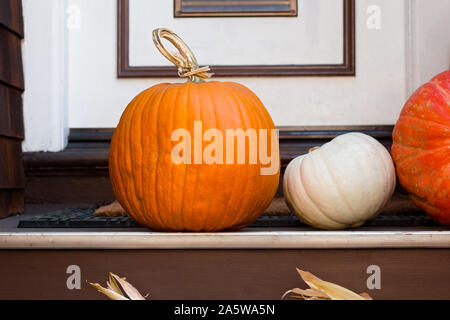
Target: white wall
{"points": [[429, 40], [45, 64], [314, 37], [391, 62]]}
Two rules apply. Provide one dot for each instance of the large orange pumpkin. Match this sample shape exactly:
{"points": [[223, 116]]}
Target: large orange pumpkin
{"points": [[421, 148], [167, 196]]}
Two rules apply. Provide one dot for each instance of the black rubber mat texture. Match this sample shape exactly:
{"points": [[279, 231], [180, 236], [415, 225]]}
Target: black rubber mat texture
{"points": [[83, 217]]}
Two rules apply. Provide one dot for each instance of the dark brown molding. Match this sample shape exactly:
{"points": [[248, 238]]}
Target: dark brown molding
{"points": [[347, 68], [239, 8], [294, 141]]}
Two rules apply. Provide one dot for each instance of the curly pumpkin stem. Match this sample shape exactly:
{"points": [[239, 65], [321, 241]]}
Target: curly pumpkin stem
{"points": [[185, 61]]}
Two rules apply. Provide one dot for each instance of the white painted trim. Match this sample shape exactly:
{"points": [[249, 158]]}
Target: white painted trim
{"points": [[424, 57], [412, 48], [246, 239], [45, 57], [60, 73]]}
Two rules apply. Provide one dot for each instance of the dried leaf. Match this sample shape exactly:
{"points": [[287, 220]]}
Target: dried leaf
{"points": [[334, 291], [306, 276], [311, 293], [112, 284], [115, 285], [130, 291], [323, 290], [108, 292], [366, 296], [315, 293], [307, 298], [113, 209]]}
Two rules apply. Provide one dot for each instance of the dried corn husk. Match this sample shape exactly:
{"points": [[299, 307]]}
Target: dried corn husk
{"points": [[118, 289], [113, 209], [322, 290]]}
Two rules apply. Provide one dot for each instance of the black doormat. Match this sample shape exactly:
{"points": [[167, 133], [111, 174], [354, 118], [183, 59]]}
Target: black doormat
{"points": [[83, 217]]}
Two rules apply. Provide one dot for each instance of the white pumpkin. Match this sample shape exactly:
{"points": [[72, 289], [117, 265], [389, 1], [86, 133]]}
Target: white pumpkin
{"points": [[341, 184]]}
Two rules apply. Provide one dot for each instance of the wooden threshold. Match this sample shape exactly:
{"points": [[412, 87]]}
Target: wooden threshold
{"points": [[264, 238]]}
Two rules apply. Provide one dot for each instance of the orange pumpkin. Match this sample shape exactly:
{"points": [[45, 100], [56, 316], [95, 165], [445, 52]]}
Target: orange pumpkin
{"points": [[168, 196], [421, 148]]}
